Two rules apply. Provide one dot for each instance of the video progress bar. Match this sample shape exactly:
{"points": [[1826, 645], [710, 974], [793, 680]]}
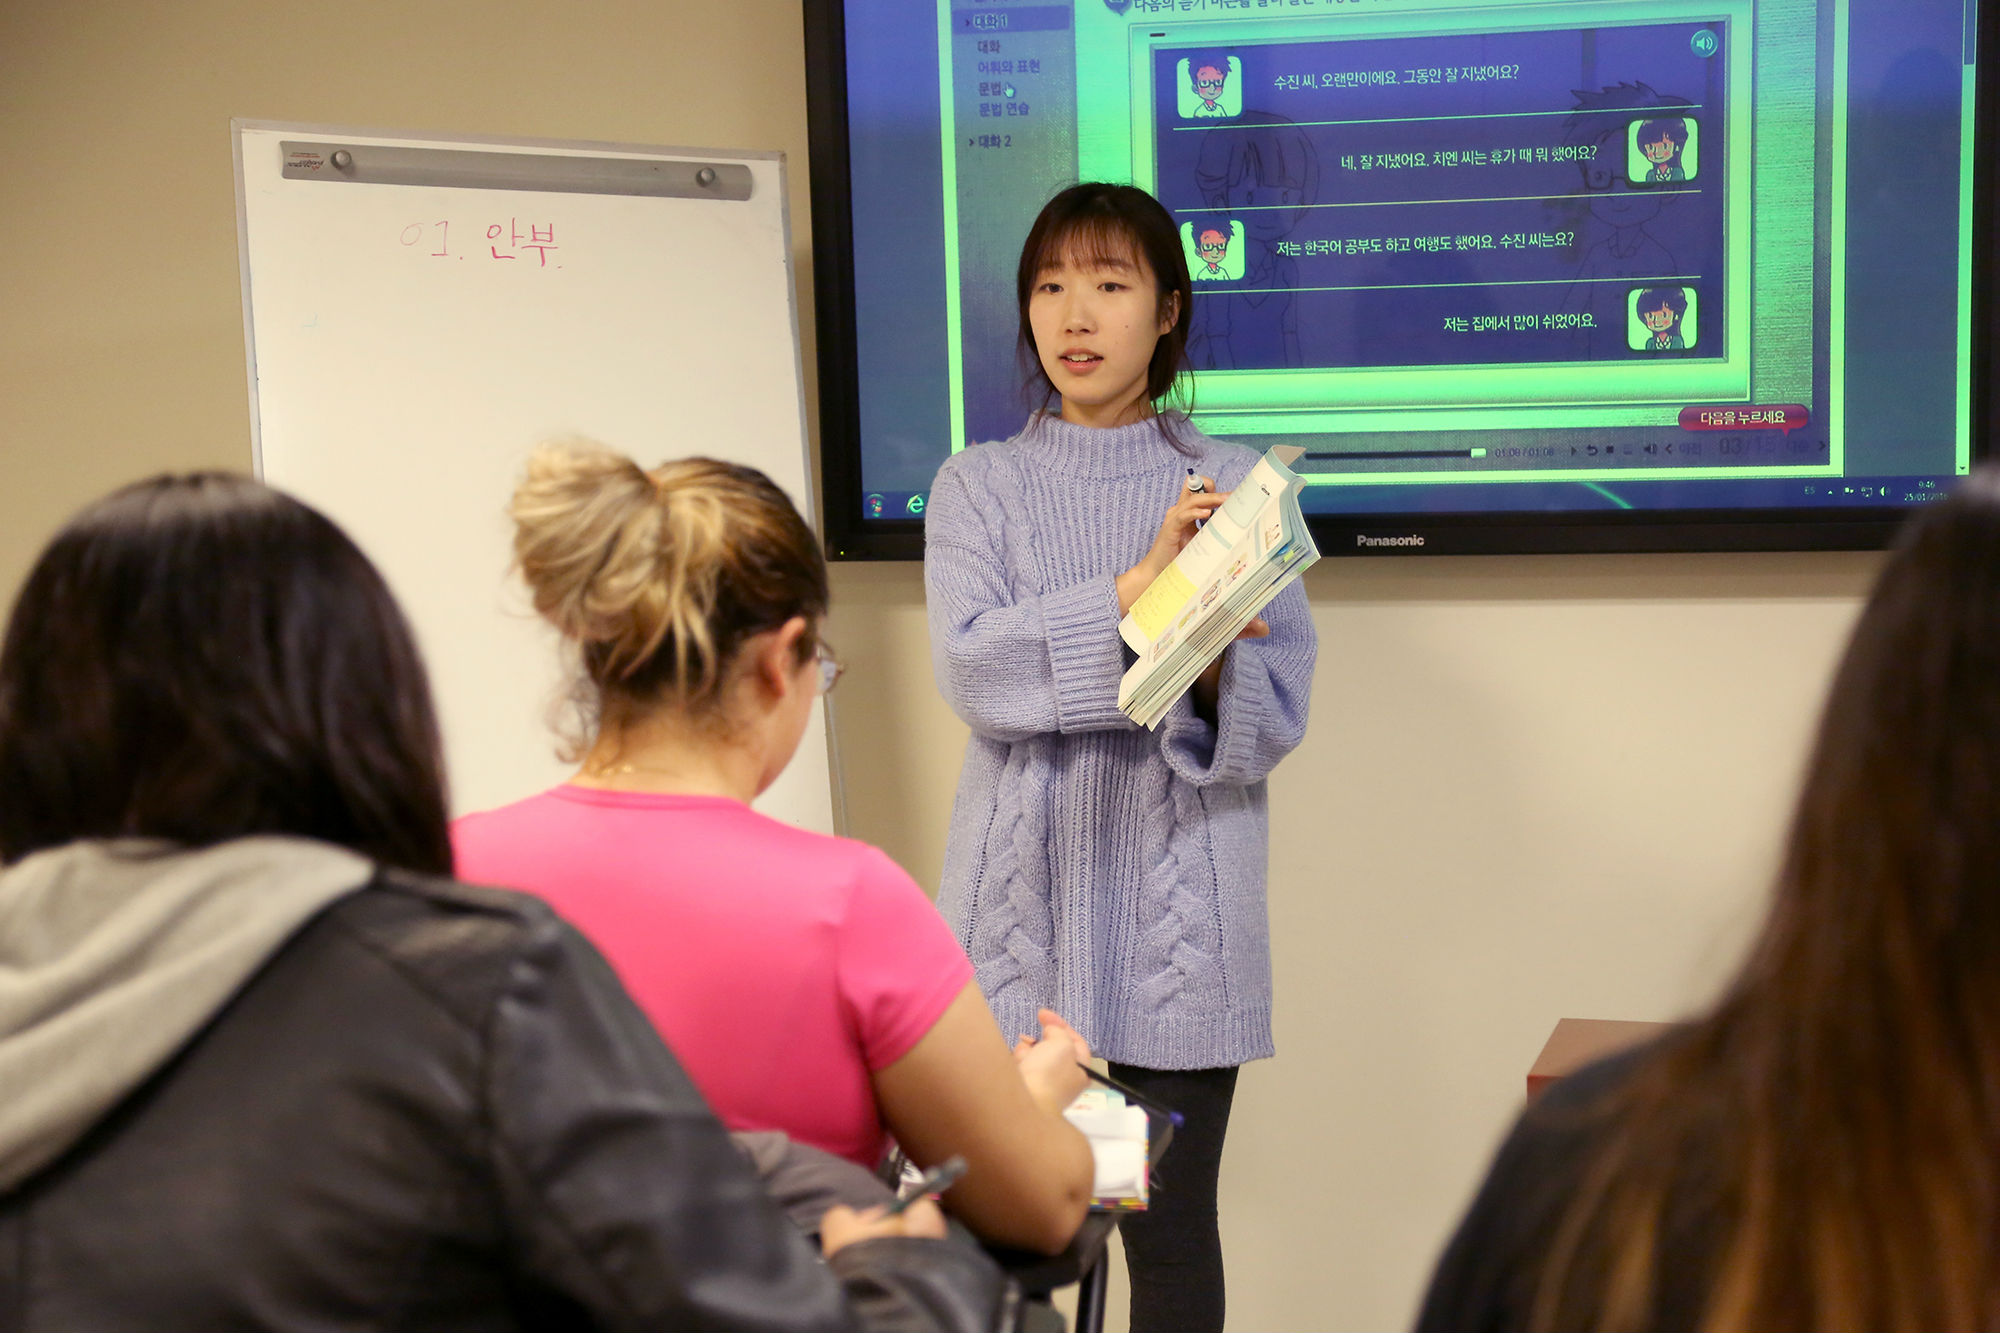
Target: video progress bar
{"points": [[1351, 455]]}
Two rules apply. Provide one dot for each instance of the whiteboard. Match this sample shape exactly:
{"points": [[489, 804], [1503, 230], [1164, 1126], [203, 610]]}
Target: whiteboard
{"points": [[410, 343]]}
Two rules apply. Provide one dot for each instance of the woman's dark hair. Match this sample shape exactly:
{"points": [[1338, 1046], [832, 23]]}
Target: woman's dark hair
{"points": [[1666, 127], [1673, 298], [1097, 222], [1842, 1101], [200, 658]]}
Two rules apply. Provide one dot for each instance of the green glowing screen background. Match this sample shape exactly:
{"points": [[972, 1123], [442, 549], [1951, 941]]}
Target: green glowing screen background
{"points": [[1476, 258]]}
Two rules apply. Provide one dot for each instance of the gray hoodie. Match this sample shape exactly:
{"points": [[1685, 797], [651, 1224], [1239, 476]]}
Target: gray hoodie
{"points": [[114, 954]]}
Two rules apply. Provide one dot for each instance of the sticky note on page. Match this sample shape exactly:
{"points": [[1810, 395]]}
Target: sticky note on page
{"points": [[1156, 606]]}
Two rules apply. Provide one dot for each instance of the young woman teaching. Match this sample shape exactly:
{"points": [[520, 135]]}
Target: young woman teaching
{"points": [[1109, 872]]}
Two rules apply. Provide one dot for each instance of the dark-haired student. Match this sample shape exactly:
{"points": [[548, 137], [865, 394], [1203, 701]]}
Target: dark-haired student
{"points": [[1818, 1150], [265, 1065], [1113, 874]]}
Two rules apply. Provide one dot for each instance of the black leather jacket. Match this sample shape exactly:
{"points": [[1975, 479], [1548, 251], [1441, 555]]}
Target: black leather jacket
{"points": [[437, 1109]]}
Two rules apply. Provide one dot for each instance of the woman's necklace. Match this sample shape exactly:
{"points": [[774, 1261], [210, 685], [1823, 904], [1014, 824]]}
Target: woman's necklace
{"points": [[622, 769], [660, 779]]}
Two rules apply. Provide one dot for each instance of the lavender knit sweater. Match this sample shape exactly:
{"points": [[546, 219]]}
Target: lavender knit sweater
{"points": [[1111, 873]]}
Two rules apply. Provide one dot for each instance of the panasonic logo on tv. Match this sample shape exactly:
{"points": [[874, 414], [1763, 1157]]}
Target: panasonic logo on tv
{"points": [[1412, 540]]}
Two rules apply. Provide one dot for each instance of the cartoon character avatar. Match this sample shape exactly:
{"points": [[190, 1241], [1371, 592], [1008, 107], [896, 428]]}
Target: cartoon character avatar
{"points": [[1209, 75], [1661, 310], [1211, 86], [1663, 142], [1214, 249]]}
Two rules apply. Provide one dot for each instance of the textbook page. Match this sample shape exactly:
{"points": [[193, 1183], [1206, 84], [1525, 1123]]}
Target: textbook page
{"points": [[1252, 548], [1210, 549], [1117, 1133]]}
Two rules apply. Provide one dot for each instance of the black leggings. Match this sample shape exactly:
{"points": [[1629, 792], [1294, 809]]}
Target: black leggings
{"points": [[1173, 1250]]}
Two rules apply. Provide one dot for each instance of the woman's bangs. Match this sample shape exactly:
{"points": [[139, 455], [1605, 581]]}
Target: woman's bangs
{"points": [[1089, 243]]}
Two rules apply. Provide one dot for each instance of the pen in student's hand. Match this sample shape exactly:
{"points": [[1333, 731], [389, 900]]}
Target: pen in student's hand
{"points": [[935, 1181], [1133, 1095]]}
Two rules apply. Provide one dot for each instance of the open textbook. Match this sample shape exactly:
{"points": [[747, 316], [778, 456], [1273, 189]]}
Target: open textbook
{"points": [[1120, 1147], [1118, 1142], [1247, 553]]}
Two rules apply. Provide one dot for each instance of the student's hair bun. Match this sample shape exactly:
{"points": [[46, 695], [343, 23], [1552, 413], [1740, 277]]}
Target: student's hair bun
{"points": [[658, 577]]}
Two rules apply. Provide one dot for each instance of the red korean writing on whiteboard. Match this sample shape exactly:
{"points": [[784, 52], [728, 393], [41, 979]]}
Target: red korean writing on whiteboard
{"points": [[512, 240]]}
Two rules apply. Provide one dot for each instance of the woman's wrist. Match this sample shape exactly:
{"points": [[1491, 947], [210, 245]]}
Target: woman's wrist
{"points": [[1054, 1094], [1132, 584]]}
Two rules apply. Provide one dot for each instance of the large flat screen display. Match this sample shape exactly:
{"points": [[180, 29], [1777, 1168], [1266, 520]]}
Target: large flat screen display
{"points": [[1576, 274]]}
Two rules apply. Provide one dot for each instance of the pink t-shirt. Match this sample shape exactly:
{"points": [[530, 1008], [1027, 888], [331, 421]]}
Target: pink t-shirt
{"points": [[783, 967]]}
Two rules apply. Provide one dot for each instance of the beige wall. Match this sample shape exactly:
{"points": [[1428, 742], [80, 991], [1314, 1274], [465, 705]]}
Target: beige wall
{"points": [[1534, 787]]}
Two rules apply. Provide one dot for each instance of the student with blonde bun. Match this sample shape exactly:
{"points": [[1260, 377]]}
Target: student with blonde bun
{"points": [[805, 981]]}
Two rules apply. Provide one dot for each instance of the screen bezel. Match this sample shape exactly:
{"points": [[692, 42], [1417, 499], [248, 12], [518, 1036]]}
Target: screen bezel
{"points": [[851, 537]]}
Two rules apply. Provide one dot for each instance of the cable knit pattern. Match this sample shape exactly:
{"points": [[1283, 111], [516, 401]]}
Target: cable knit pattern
{"points": [[1016, 938], [1113, 873]]}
